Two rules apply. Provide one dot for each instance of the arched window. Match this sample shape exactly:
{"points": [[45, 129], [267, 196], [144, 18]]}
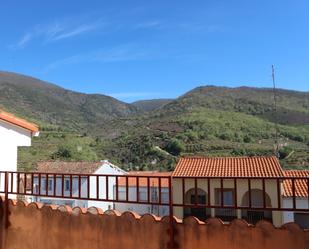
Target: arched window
{"points": [[200, 198], [253, 216]]}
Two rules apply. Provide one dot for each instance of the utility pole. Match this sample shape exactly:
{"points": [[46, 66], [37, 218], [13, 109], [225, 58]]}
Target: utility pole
{"points": [[276, 145]]}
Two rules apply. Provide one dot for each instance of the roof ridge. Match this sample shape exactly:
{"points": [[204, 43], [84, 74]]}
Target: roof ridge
{"points": [[233, 157]]}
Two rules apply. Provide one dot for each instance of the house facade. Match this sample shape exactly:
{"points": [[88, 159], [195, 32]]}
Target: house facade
{"points": [[154, 193], [197, 171], [81, 182], [14, 132], [301, 201]]}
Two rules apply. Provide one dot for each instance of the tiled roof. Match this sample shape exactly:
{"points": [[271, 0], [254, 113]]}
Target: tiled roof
{"points": [[154, 182], [301, 186], [10, 118], [264, 166], [68, 167]]}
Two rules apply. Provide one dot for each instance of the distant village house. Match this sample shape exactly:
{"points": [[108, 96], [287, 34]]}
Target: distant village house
{"points": [[80, 182], [155, 196]]}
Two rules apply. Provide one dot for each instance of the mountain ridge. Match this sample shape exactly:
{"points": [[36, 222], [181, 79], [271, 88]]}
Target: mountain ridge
{"points": [[43, 101], [208, 120]]}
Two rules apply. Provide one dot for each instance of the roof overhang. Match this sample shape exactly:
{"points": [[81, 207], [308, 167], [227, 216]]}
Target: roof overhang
{"points": [[10, 118]]}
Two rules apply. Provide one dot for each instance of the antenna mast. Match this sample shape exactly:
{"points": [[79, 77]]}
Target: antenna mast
{"points": [[275, 112]]}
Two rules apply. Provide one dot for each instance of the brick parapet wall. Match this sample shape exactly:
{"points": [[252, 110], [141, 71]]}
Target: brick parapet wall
{"points": [[35, 226]]}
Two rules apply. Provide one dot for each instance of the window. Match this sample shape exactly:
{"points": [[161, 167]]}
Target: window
{"points": [[50, 185], [43, 184], [164, 197], [121, 193], [143, 194], [67, 185], [154, 195], [228, 197], [225, 214]]}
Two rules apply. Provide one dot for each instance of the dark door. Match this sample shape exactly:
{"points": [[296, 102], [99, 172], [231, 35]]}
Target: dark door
{"points": [[199, 212]]}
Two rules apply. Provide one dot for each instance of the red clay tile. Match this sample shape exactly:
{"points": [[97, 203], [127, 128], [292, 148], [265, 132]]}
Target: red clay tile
{"points": [[10, 118], [266, 166], [301, 186]]}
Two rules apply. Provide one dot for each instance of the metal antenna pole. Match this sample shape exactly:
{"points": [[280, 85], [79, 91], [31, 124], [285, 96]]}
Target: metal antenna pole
{"points": [[275, 112]]}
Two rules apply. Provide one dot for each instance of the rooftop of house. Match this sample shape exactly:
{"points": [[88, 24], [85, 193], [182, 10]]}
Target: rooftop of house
{"points": [[143, 182], [262, 166], [301, 186], [68, 167], [10, 118]]}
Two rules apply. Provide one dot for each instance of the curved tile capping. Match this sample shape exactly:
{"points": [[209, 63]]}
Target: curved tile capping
{"points": [[263, 224], [36, 226]]}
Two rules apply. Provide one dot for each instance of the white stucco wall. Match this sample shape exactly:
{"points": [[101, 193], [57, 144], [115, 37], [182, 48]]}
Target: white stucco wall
{"points": [[106, 169], [11, 137], [301, 203]]}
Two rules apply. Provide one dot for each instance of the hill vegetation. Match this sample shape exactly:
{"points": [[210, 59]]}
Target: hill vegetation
{"points": [[50, 105], [211, 121], [151, 104]]}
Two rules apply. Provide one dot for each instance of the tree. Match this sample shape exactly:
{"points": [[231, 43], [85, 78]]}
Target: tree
{"points": [[285, 151], [62, 152], [175, 147], [247, 139]]}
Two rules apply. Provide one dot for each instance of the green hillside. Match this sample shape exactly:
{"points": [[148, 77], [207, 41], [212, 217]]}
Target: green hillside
{"points": [[50, 105], [151, 104], [153, 134]]}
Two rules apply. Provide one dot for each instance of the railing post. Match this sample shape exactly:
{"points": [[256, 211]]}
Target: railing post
{"points": [[6, 204], [171, 214]]}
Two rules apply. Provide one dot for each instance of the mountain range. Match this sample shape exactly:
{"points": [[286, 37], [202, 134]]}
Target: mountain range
{"points": [[152, 134]]}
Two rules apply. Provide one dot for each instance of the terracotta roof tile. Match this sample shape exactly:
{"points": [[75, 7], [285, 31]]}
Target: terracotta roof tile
{"points": [[10, 118], [301, 186], [68, 167], [143, 180], [266, 166]]}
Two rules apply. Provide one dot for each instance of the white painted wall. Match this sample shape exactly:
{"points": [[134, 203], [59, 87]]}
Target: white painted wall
{"points": [[11, 137], [143, 208], [288, 203], [108, 169]]}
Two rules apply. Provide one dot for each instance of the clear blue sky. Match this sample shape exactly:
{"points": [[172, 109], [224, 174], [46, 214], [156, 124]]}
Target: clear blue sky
{"points": [[156, 49]]}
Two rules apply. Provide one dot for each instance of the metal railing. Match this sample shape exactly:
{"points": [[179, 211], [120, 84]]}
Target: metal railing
{"points": [[219, 192], [85, 186], [201, 193], [265, 186]]}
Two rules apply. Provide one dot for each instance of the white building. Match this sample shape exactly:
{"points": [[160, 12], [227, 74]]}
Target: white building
{"points": [[154, 208], [78, 172], [14, 132], [301, 200]]}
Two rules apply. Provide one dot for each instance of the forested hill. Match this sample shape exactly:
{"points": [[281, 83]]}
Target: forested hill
{"points": [[152, 134], [49, 104]]}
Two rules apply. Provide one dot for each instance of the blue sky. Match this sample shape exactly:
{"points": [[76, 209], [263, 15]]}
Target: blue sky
{"points": [[156, 49]]}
